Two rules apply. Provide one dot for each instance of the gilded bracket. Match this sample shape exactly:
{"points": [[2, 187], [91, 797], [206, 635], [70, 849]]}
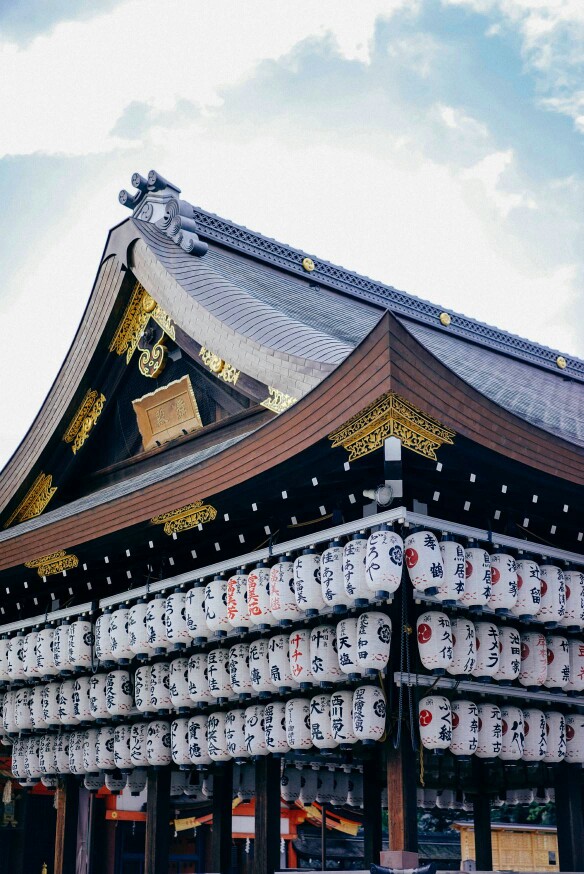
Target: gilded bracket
{"points": [[225, 371], [186, 517], [35, 500], [277, 401], [140, 308], [391, 415], [54, 563], [84, 419]]}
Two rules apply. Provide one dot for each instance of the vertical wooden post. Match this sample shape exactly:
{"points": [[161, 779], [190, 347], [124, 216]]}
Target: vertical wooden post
{"points": [[267, 816], [66, 830], [482, 831], [323, 810], [569, 818], [402, 804], [371, 811], [222, 807], [157, 821]]}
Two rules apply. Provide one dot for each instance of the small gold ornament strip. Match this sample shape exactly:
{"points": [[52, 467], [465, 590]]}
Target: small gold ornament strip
{"points": [[277, 401], [54, 563], [225, 371], [185, 518], [141, 307], [35, 500], [84, 419]]}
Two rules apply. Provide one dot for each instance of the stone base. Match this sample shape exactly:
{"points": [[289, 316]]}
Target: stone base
{"points": [[399, 859]]}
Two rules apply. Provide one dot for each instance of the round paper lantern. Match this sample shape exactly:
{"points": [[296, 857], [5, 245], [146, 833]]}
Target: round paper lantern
{"points": [[451, 588], [195, 613], [487, 645], [237, 609], [179, 743], [258, 597], [62, 752], [423, 561], [216, 740], [512, 737], [198, 748], [464, 647], [299, 652], [22, 715], [138, 631], [193, 789], [298, 724], [97, 697], [373, 642], [342, 719], [384, 562], [340, 789], [332, 578], [324, 662], [255, 736], [31, 759], [528, 589], [46, 667], [533, 671], [61, 648], [115, 782], [15, 658], [18, 756], [156, 624], [50, 704], [534, 735], [47, 754], [275, 728], [160, 688], [320, 723], [279, 661], [138, 739], [308, 785], [235, 734], [307, 585], [36, 708], [435, 721], [245, 781], [576, 657], [490, 731], [509, 655], [207, 786], [503, 582], [556, 736], [477, 581], [573, 617], [29, 657], [216, 607], [259, 668], [347, 647], [465, 728], [81, 641], [558, 662], [218, 674], [369, 712], [103, 643], [553, 595], [4, 675], [93, 782], [435, 641], [177, 631], [119, 698], [575, 738], [104, 748], [137, 780], [178, 781], [120, 637], [179, 685], [158, 750], [290, 784], [198, 679], [66, 712], [122, 749], [238, 662], [142, 686], [445, 799], [325, 786], [354, 556], [355, 794], [282, 594]]}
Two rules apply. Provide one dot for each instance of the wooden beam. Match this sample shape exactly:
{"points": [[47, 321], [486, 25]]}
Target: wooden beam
{"points": [[222, 826], [570, 818], [157, 821], [66, 830], [267, 816], [372, 810], [482, 831]]}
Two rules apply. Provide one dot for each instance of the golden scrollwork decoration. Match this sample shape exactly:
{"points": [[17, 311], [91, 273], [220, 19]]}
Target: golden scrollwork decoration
{"points": [[221, 368], [185, 518], [140, 309], [278, 401], [54, 563], [390, 415], [35, 500], [84, 419], [152, 361]]}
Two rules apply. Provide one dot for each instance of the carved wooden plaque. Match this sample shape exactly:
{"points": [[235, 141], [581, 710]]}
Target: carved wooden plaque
{"points": [[167, 413]]}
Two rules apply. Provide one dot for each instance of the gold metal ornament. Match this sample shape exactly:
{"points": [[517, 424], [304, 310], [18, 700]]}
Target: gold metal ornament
{"points": [[277, 401], [561, 362], [35, 500], [445, 319], [186, 517], [152, 361], [141, 307], [54, 563], [84, 419], [221, 368], [308, 264]]}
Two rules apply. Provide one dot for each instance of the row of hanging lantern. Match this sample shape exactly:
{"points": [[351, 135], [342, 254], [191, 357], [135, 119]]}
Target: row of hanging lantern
{"points": [[520, 797], [486, 652], [443, 799], [337, 786], [508, 733]]}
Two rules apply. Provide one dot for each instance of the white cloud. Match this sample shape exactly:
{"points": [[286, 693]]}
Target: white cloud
{"points": [[489, 173]]}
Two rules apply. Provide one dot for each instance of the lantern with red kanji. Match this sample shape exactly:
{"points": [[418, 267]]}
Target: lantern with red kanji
{"points": [[258, 597], [576, 655], [237, 609], [435, 722], [435, 641], [533, 671], [299, 653]]}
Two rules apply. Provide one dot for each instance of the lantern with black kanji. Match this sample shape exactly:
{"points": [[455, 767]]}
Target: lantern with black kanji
{"points": [[533, 671], [435, 722], [275, 728], [239, 671], [156, 624], [451, 588], [235, 734], [556, 736], [195, 613], [424, 561], [347, 647], [477, 581], [137, 630], [259, 668], [354, 557], [369, 714], [46, 667], [122, 750], [36, 707], [198, 744], [103, 644], [179, 743], [258, 597], [97, 697], [298, 724], [218, 674], [177, 631], [90, 751], [465, 728], [575, 738], [512, 737], [255, 736], [528, 588], [373, 642], [320, 723], [158, 745], [534, 735], [324, 663], [283, 606], [180, 699], [576, 655], [307, 585], [81, 640], [160, 688], [279, 661], [138, 739], [509, 655], [573, 618], [290, 784], [216, 607], [120, 637], [487, 643], [464, 646], [142, 682], [47, 760], [553, 595], [342, 718], [435, 641], [332, 578], [60, 651], [119, 698], [490, 731], [237, 609], [104, 748], [558, 661], [199, 691], [29, 655], [503, 582], [384, 562]]}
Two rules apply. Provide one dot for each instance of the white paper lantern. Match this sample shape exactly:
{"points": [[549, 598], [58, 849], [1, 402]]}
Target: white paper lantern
{"points": [[435, 641], [512, 738], [384, 562], [179, 743], [573, 618], [369, 713], [207, 786], [556, 736], [198, 747], [46, 667], [119, 698], [324, 661], [477, 581], [198, 679], [31, 759], [104, 748], [160, 688], [238, 663], [307, 585], [320, 723], [195, 613], [490, 731], [156, 624], [235, 734], [81, 641], [558, 662], [518, 797], [103, 643], [142, 686], [373, 642], [15, 658], [553, 595], [36, 708], [325, 786], [299, 652], [332, 578], [178, 781], [216, 607], [193, 788], [259, 667], [424, 561], [575, 738], [61, 648], [534, 735], [354, 572], [237, 609], [464, 647], [255, 736], [576, 656], [465, 728], [115, 782], [4, 673], [290, 784], [355, 794], [435, 721], [308, 785], [138, 740], [298, 724], [18, 759], [50, 704], [22, 715], [503, 582], [216, 740], [120, 637], [346, 635], [487, 645], [275, 728], [445, 799], [218, 674], [451, 588], [509, 655], [342, 719], [528, 589], [66, 712], [180, 699], [283, 605], [341, 788], [279, 661], [258, 597], [138, 631], [29, 655], [137, 780], [47, 754], [245, 781], [533, 671], [158, 751], [177, 631], [97, 697], [122, 748], [62, 752]]}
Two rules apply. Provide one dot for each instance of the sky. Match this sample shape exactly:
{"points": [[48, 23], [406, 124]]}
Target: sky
{"points": [[435, 145]]}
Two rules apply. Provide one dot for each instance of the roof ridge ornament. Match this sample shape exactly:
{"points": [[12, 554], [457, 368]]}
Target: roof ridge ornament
{"points": [[158, 202]]}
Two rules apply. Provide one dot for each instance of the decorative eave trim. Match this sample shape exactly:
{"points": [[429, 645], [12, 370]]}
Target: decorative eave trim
{"points": [[54, 563], [35, 500], [84, 419], [185, 518], [141, 307], [278, 401], [225, 371]]}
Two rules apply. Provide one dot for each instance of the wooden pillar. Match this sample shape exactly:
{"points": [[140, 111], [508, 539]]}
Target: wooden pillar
{"points": [[157, 821], [267, 816], [371, 811], [569, 816], [323, 811], [222, 807], [66, 830], [482, 831], [401, 805]]}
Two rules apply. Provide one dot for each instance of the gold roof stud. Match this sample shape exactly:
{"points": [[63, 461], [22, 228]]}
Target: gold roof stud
{"points": [[308, 264], [148, 304], [445, 319], [561, 362]]}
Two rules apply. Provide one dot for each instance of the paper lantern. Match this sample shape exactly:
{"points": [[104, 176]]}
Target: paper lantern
{"points": [[18, 755], [178, 688], [533, 671], [178, 781], [97, 697], [369, 713], [355, 794], [36, 708], [259, 668], [66, 712], [553, 595], [198, 679], [216, 607], [298, 724], [62, 753], [179, 743], [477, 580], [558, 662], [384, 562], [122, 749], [573, 618], [198, 747], [15, 658], [47, 754], [575, 738], [354, 557], [218, 674], [487, 649], [451, 588], [290, 784], [115, 782], [465, 728], [279, 661], [104, 748], [503, 582], [4, 674], [50, 704], [177, 632], [445, 799], [342, 718], [235, 734], [239, 678], [195, 613], [512, 737], [158, 751], [245, 781], [423, 561], [308, 785], [576, 656], [156, 624], [119, 698], [299, 652], [81, 641], [136, 781], [346, 640], [275, 728], [556, 736], [283, 605], [193, 788], [528, 589], [207, 786], [332, 578], [435, 641], [320, 723], [160, 688], [534, 735], [509, 655], [255, 736], [142, 685], [324, 662], [120, 637], [237, 609], [307, 585], [464, 647], [373, 642], [31, 759], [138, 739], [44, 654], [518, 797], [435, 722], [61, 648], [489, 731], [22, 716], [138, 631], [340, 788], [103, 643], [258, 597], [29, 657], [325, 786], [216, 740]]}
